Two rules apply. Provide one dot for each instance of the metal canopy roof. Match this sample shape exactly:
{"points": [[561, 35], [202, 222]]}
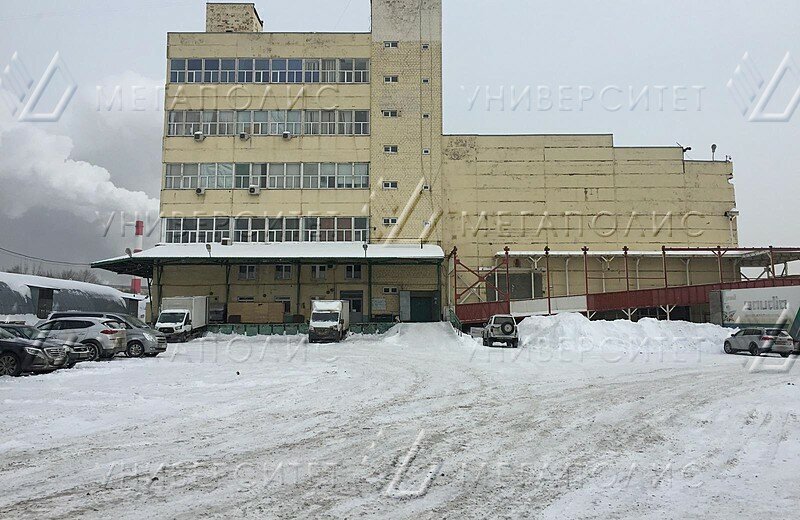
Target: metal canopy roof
{"points": [[142, 263]]}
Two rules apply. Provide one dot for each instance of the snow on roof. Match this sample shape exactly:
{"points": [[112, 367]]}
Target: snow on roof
{"points": [[292, 250], [22, 284]]}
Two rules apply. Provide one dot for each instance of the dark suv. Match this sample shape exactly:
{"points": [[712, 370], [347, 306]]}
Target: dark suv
{"points": [[19, 355], [75, 351]]}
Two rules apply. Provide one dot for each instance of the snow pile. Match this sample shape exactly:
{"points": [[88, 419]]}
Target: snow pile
{"points": [[576, 332]]}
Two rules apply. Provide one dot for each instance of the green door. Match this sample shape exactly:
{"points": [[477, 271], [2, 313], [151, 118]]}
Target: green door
{"points": [[421, 309]]}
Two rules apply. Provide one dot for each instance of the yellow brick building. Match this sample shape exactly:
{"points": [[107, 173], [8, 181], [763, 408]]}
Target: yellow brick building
{"points": [[288, 153]]}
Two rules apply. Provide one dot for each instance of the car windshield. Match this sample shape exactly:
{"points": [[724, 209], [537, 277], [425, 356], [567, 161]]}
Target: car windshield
{"points": [[325, 317], [136, 322], [171, 317], [4, 334], [29, 332]]}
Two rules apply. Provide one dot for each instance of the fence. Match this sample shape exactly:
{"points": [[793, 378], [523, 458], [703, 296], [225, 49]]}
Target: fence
{"points": [[293, 329]]}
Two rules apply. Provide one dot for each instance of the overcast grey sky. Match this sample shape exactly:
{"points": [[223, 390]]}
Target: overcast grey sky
{"points": [[678, 48]]}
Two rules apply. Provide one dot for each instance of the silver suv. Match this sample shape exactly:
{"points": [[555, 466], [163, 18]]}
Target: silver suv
{"points": [[104, 338], [758, 340], [501, 328], [142, 339]]}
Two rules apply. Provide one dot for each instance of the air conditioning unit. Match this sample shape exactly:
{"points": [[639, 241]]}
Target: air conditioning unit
{"points": [[226, 241], [200, 191], [287, 136], [254, 190], [244, 136], [199, 137]]}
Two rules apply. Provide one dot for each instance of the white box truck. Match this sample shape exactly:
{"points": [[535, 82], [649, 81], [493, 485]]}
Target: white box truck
{"points": [[762, 307], [330, 321], [183, 318]]}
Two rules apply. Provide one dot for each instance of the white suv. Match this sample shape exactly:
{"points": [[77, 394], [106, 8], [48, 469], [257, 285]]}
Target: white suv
{"points": [[501, 328], [103, 337]]}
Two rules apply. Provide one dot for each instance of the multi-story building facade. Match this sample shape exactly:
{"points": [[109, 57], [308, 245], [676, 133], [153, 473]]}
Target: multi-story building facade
{"points": [[314, 165]]}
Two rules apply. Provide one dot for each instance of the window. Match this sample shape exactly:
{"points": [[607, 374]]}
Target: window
{"points": [[283, 272], [294, 122], [426, 116], [426, 151], [295, 71], [227, 71], [311, 69], [196, 230], [242, 176], [194, 71], [253, 230], [276, 70], [390, 221], [390, 149], [319, 272], [177, 71], [390, 113], [245, 299], [390, 185], [391, 290], [260, 71], [391, 44], [248, 272], [426, 46], [391, 79], [245, 70], [426, 81], [271, 122], [352, 272], [329, 71]]}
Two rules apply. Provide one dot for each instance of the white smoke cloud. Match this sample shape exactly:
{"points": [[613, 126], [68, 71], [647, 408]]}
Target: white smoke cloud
{"points": [[37, 171]]}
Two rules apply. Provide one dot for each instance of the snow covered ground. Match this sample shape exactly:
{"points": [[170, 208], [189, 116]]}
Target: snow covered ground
{"points": [[585, 420]]}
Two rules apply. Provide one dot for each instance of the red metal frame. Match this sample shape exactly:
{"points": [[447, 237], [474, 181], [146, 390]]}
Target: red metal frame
{"points": [[479, 312]]}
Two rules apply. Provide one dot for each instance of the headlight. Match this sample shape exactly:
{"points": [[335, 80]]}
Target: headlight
{"points": [[34, 351], [149, 337]]}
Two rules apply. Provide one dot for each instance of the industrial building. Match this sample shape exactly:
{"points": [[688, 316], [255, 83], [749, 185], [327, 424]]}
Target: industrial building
{"points": [[302, 166]]}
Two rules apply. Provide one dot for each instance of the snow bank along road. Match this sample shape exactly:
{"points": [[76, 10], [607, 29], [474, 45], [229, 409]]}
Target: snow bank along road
{"points": [[586, 420]]}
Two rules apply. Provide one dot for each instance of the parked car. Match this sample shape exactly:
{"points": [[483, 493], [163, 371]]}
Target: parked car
{"points": [[103, 337], [19, 355], [76, 352], [758, 341], [142, 339], [501, 328]]}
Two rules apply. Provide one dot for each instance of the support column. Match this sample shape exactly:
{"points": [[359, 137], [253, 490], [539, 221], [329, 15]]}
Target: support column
{"points": [[664, 262], [299, 278], [627, 271], [369, 292], [719, 263], [227, 289], [547, 266], [508, 278]]}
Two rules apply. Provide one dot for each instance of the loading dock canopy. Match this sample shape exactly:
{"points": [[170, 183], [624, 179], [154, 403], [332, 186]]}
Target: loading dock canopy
{"points": [[142, 264]]}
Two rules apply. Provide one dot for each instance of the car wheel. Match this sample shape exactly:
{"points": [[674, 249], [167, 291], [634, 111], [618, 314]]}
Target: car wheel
{"points": [[754, 350], [785, 355], [10, 365], [515, 343], [94, 351], [152, 354], [728, 348], [135, 350]]}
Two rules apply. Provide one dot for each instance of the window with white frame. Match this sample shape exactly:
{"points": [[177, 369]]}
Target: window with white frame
{"points": [[391, 290], [248, 273], [353, 272], [283, 272], [287, 303], [390, 113], [426, 151], [391, 149], [266, 230], [319, 272], [391, 79], [390, 221], [250, 230], [268, 122], [391, 44], [390, 185], [426, 46], [245, 299], [426, 81]]}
